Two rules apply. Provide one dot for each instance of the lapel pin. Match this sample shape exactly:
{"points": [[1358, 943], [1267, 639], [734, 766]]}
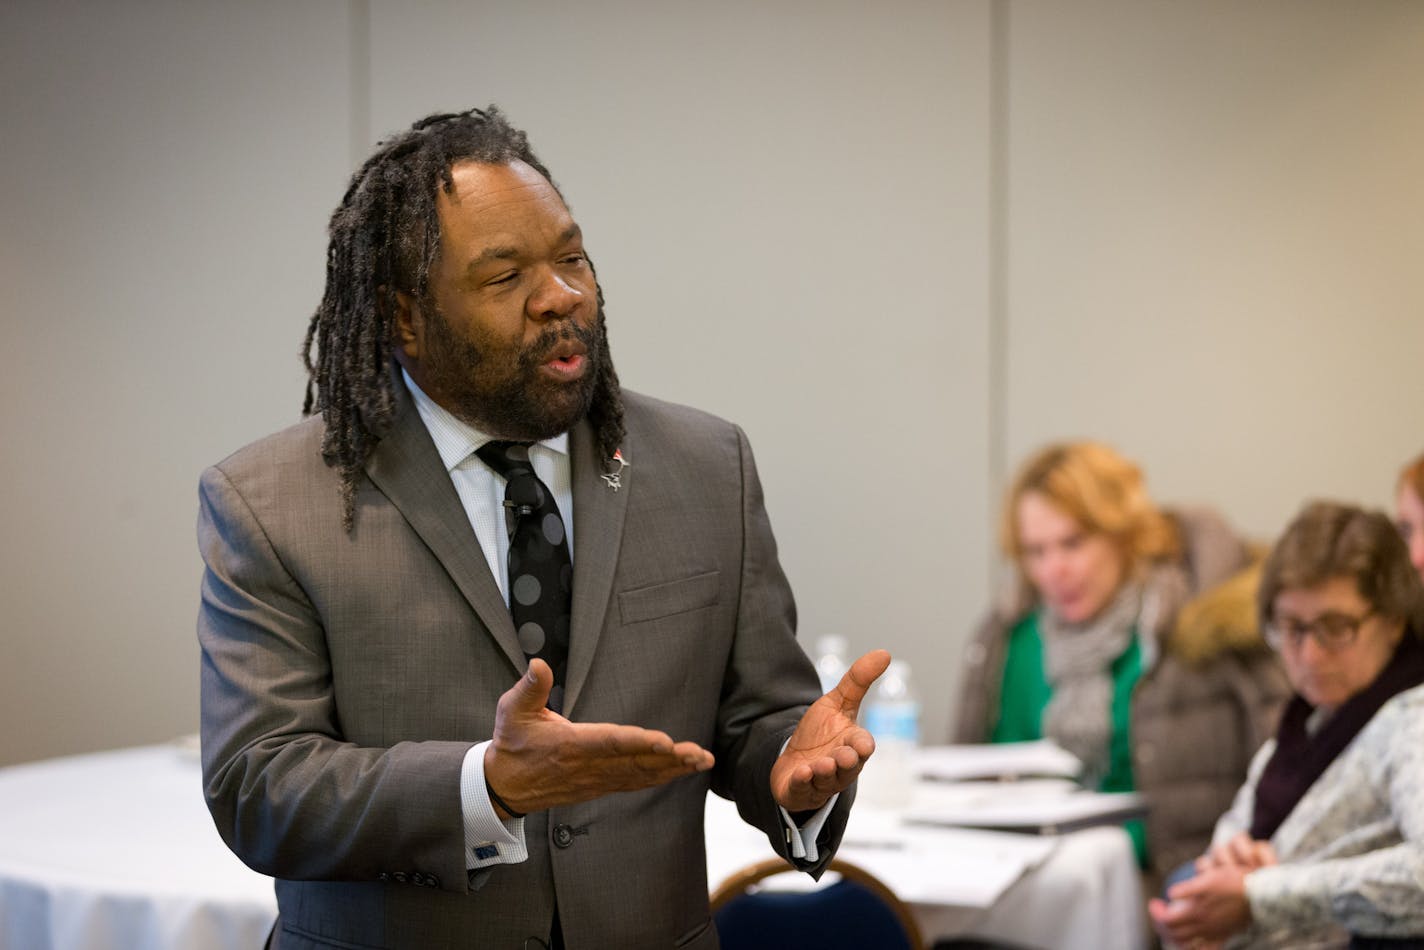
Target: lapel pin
{"points": [[615, 477]]}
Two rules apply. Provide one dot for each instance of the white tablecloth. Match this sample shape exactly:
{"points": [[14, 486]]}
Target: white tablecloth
{"points": [[1079, 891], [115, 851]]}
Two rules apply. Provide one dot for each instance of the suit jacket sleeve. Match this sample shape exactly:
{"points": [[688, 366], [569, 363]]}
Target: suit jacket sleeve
{"points": [[766, 662], [288, 793]]}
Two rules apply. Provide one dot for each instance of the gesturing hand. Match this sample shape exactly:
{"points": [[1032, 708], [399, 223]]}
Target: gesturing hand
{"points": [[539, 759], [828, 750]]}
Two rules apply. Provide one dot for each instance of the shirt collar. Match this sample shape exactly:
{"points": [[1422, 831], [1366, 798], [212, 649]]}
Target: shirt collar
{"points": [[455, 439]]}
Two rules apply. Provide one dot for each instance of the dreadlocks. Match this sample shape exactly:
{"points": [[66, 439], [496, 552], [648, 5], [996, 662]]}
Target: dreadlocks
{"points": [[385, 238]]}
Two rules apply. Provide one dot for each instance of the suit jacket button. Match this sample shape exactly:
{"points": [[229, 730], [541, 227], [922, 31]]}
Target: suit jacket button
{"points": [[563, 836]]}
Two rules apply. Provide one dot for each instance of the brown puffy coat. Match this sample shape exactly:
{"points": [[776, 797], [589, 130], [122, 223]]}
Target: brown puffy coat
{"points": [[1211, 697]]}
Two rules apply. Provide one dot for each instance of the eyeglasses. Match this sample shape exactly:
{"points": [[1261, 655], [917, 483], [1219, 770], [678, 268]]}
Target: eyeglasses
{"points": [[1332, 632]]}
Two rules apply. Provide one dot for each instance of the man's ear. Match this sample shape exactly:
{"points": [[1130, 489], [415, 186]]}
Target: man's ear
{"points": [[409, 328]]}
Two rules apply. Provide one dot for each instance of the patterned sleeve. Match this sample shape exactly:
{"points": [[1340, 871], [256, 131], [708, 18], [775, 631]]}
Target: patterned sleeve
{"points": [[1377, 892]]}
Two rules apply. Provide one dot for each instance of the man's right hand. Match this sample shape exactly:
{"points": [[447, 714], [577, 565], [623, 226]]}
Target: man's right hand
{"points": [[539, 759]]}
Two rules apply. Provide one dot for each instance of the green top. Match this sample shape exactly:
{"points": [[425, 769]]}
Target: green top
{"points": [[1024, 696]]}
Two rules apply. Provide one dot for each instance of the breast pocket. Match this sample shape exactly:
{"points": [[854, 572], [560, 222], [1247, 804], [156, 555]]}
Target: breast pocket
{"points": [[665, 600]]}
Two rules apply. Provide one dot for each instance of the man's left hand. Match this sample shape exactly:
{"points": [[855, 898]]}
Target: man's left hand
{"points": [[828, 749]]}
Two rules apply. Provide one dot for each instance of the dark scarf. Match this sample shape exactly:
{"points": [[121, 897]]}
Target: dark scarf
{"points": [[1300, 758]]}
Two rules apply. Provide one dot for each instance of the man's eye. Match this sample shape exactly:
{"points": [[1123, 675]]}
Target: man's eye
{"points": [[576, 259], [504, 278]]}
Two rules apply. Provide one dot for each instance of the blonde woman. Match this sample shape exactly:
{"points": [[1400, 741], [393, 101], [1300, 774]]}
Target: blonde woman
{"points": [[1094, 649]]}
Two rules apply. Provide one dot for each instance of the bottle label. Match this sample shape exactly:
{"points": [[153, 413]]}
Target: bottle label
{"points": [[890, 722]]}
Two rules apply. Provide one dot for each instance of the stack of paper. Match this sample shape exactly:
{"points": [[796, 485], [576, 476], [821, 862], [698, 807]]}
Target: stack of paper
{"points": [[958, 867], [1041, 806], [1001, 760]]}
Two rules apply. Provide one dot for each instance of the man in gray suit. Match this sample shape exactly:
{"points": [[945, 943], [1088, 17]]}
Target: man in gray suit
{"points": [[377, 734]]}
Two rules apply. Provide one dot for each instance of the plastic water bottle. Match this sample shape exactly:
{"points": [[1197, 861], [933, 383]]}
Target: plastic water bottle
{"points": [[892, 714], [830, 661]]}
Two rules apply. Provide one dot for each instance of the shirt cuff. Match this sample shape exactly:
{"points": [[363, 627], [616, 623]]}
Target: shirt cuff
{"points": [[802, 839], [489, 840]]}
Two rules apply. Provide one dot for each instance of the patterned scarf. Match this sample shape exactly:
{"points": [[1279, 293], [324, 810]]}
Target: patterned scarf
{"points": [[1077, 660], [1300, 757]]}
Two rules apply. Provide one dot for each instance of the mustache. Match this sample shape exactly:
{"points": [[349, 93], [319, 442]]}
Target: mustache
{"points": [[537, 352]]}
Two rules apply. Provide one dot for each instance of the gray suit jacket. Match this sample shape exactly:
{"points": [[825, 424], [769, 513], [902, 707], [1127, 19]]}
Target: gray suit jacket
{"points": [[344, 676]]}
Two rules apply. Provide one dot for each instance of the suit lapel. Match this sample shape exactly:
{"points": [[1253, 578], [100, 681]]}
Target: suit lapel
{"points": [[407, 469], [599, 512]]}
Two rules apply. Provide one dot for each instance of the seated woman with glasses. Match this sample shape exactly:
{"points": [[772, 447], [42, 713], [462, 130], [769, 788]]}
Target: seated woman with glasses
{"points": [[1092, 647], [1324, 845]]}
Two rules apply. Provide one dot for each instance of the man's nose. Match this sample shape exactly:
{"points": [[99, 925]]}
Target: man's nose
{"points": [[554, 298]]}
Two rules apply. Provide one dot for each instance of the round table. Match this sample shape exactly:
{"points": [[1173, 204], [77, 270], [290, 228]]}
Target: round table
{"points": [[116, 851]]}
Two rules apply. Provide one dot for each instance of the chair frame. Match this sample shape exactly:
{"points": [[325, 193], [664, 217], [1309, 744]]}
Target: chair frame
{"points": [[739, 882]]}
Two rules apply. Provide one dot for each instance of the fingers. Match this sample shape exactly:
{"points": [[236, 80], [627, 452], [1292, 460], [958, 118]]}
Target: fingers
{"points": [[694, 756], [531, 693], [800, 783], [539, 759], [1163, 915], [1242, 850], [862, 743], [1185, 890], [827, 774], [1172, 920], [1265, 854], [859, 678], [610, 741]]}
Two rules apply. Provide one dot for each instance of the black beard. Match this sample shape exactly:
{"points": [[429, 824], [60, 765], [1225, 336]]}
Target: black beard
{"points": [[524, 405]]}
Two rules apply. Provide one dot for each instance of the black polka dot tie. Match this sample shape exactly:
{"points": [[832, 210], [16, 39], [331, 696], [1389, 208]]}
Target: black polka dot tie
{"points": [[540, 571]]}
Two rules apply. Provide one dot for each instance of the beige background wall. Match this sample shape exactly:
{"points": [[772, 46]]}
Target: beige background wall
{"points": [[900, 247], [1216, 244]]}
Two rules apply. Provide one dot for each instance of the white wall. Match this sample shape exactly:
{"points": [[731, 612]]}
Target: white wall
{"points": [[787, 204], [164, 180], [1216, 244], [901, 248]]}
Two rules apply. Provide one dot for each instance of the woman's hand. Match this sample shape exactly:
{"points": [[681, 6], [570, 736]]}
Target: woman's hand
{"points": [[1209, 907], [1241, 851]]}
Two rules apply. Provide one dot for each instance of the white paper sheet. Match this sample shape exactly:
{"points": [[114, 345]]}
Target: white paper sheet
{"points": [[999, 760], [1043, 806]]}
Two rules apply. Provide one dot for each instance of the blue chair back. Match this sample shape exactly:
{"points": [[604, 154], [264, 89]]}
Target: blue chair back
{"points": [[858, 911]]}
